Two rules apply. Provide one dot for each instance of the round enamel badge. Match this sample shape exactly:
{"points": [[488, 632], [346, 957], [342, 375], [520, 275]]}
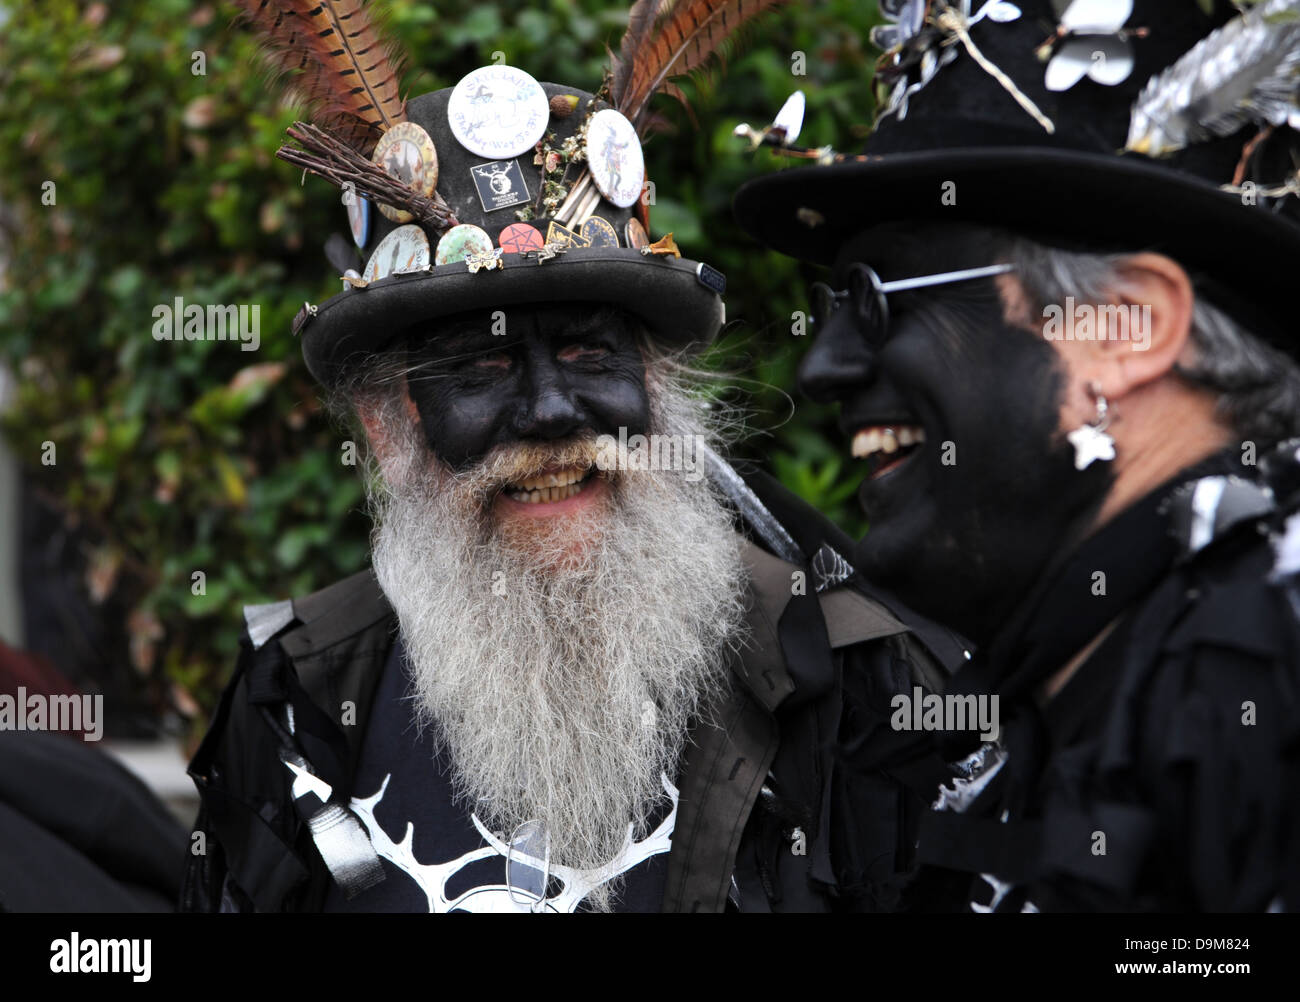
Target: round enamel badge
{"points": [[635, 234], [614, 156], [600, 232], [407, 153], [461, 242], [498, 112], [519, 238], [405, 249]]}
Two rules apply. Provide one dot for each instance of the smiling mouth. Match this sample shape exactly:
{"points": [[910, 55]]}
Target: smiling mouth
{"points": [[886, 447], [552, 486]]}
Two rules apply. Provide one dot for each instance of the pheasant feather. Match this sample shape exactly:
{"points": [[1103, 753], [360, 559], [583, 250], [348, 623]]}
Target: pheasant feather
{"points": [[670, 38], [345, 71], [1247, 71]]}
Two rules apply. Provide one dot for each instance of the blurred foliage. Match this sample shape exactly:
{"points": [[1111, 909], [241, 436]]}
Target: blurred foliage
{"points": [[191, 457]]}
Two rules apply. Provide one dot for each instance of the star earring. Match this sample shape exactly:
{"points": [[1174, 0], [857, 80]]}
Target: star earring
{"points": [[1090, 441]]}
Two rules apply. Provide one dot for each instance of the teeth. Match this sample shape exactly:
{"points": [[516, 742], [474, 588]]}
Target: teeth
{"points": [[546, 494], [866, 442], [561, 479], [869, 441]]}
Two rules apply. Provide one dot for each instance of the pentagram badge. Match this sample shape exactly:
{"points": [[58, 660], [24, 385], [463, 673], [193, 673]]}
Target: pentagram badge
{"points": [[614, 156], [599, 232], [500, 184], [405, 249], [498, 112], [407, 153], [519, 238]]}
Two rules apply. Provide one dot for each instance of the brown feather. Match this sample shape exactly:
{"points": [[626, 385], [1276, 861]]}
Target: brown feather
{"points": [[640, 23], [344, 70], [685, 35]]}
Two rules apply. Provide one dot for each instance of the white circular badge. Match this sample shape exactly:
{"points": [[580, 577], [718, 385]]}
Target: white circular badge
{"points": [[498, 112], [614, 157], [405, 249]]}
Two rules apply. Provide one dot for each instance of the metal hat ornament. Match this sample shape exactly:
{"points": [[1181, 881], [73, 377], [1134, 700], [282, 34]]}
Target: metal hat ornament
{"points": [[920, 42], [467, 179], [1090, 41], [1246, 73], [1179, 132]]}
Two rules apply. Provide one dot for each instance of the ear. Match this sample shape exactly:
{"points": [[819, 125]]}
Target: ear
{"points": [[373, 423], [1141, 341], [374, 427]]}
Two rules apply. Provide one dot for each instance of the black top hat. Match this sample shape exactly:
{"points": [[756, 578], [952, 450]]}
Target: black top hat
{"points": [[1082, 184], [679, 300]]}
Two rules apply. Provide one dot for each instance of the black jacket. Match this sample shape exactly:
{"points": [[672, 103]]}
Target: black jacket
{"points": [[1165, 773], [80, 833], [818, 674]]}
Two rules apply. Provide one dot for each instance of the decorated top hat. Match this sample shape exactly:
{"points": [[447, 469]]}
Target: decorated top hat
{"points": [[506, 244], [498, 192], [1093, 125]]}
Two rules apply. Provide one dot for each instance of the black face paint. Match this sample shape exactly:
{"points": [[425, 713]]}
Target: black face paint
{"points": [[964, 526], [558, 370]]}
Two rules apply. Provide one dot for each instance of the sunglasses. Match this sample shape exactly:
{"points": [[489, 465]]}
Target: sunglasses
{"points": [[866, 293]]}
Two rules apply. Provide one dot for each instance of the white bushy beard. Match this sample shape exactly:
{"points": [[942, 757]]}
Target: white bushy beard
{"points": [[561, 681]]}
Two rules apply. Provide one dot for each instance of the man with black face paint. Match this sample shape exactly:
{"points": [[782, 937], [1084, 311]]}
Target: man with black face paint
{"points": [[1072, 375], [949, 360], [593, 668]]}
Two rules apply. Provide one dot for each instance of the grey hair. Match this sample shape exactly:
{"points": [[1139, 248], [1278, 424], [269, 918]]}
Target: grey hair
{"points": [[1258, 386]]}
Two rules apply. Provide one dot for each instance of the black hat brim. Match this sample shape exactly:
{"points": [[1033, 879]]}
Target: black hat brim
{"points": [[664, 292], [1059, 197]]}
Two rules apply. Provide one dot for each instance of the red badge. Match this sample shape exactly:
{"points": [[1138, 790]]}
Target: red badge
{"points": [[520, 237]]}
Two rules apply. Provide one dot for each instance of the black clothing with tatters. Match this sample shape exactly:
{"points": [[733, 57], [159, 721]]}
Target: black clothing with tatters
{"points": [[1163, 776]]}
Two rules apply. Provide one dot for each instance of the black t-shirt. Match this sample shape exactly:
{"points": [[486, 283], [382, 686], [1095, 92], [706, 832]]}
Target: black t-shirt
{"points": [[437, 856]]}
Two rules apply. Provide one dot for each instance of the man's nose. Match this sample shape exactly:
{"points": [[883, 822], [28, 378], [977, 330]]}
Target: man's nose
{"points": [[550, 408], [838, 364]]}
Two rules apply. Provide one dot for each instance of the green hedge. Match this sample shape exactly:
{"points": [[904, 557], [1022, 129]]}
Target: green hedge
{"points": [[199, 457]]}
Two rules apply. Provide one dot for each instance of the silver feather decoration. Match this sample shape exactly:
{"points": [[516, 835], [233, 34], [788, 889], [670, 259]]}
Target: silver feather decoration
{"points": [[1246, 71]]}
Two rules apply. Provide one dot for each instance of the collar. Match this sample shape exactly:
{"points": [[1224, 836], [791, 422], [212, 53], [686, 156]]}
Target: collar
{"points": [[1078, 596]]}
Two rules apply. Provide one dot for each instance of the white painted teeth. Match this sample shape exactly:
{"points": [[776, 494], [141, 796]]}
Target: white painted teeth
{"points": [[869, 441], [865, 443], [549, 487]]}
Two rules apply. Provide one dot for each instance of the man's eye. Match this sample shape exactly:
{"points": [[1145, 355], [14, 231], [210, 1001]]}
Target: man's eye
{"points": [[582, 353], [497, 362]]}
